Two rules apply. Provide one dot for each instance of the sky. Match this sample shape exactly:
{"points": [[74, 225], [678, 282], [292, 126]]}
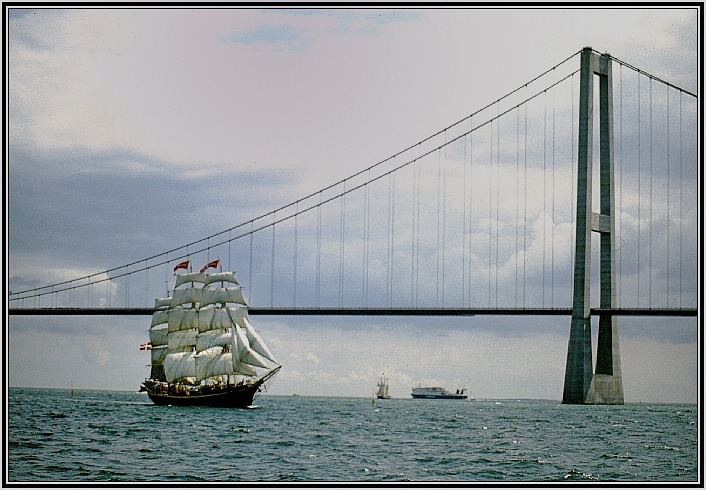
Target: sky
{"points": [[134, 131]]}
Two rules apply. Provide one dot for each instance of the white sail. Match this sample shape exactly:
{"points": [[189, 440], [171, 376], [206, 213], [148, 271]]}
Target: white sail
{"points": [[221, 277], [162, 302], [203, 359], [242, 368], [189, 277], [186, 296], [189, 320], [221, 319], [238, 315], [203, 322], [179, 341], [179, 365], [245, 354], [159, 317], [158, 336], [175, 317], [158, 353], [257, 344], [213, 338], [213, 362], [216, 296]]}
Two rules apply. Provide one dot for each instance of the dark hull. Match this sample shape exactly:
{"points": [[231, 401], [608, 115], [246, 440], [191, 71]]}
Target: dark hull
{"points": [[234, 397], [440, 397], [239, 396]]}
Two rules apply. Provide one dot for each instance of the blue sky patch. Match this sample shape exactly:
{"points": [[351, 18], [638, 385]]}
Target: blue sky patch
{"points": [[272, 34], [346, 17]]}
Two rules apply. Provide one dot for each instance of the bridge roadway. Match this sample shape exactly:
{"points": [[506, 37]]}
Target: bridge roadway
{"points": [[289, 311]]}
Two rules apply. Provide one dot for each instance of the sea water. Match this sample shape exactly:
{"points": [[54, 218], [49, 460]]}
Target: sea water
{"points": [[54, 436]]}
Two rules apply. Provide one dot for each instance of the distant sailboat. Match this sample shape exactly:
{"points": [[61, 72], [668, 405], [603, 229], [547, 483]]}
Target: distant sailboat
{"points": [[383, 388]]}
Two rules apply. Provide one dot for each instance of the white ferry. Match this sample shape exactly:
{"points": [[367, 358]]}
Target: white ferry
{"points": [[438, 393]]}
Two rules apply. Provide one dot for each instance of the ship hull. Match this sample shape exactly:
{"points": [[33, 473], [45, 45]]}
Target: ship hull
{"points": [[235, 397], [440, 397]]}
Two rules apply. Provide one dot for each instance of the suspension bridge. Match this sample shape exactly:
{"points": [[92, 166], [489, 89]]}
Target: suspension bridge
{"points": [[495, 214]]}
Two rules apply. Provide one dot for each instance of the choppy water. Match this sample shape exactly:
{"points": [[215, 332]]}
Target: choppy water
{"points": [[122, 436]]}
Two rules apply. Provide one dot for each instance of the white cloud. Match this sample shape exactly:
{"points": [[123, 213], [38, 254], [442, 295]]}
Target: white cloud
{"points": [[187, 133]]}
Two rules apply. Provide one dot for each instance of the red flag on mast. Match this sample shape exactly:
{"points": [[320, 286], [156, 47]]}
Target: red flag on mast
{"points": [[212, 264], [182, 265]]}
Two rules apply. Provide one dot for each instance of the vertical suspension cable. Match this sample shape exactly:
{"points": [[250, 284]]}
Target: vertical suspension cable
{"points": [[443, 231], [414, 232], [470, 222], [272, 269], [438, 226], [681, 193], [649, 282], [229, 245], [544, 200], [524, 226], [517, 201], [497, 211], [463, 247], [389, 237], [416, 256], [342, 245], [553, 190], [250, 285], [166, 276], [147, 287], [318, 250], [296, 245], [669, 216], [393, 176], [639, 194], [620, 198], [490, 214], [366, 239]]}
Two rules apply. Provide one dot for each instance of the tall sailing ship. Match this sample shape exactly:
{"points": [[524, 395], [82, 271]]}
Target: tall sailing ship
{"points": [[204, 349], [383, 388]]}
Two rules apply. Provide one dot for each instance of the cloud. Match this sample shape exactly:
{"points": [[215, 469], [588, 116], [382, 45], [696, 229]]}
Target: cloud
{"points": [[311, 357], [133, 132]]}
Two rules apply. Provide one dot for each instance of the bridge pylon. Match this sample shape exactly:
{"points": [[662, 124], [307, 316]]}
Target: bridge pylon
{"points": [[581, 385]]}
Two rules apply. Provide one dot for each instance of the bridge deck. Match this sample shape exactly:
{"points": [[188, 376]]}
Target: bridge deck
{"points": [[674, 312]]}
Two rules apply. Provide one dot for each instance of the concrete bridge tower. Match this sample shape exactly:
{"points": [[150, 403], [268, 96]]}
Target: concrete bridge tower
{"points": [[581, 385]]}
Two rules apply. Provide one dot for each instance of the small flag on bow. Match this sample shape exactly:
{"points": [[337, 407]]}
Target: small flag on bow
{"points": [[212, 264], [147, 346], [182, 265]]}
